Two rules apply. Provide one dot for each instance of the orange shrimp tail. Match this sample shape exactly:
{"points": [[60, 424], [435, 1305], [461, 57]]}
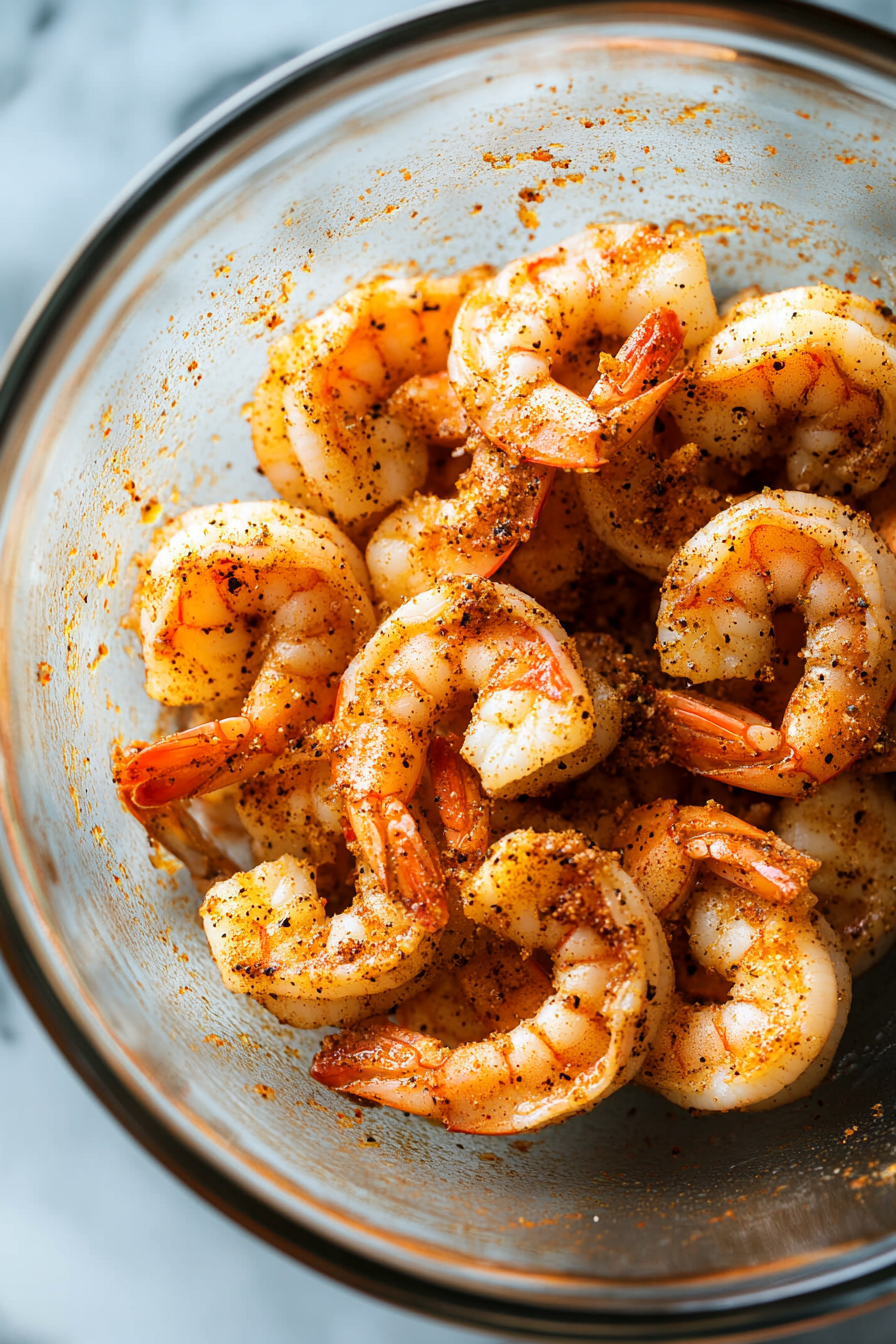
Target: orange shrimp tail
{"points": [[752, 859], [647, 354], [401, 857], [710, 735], [192, 762], [382, 1062], [463, 807]]}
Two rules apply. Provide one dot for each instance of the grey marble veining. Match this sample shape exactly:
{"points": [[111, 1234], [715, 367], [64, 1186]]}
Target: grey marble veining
{"points": [[98, 1244]]}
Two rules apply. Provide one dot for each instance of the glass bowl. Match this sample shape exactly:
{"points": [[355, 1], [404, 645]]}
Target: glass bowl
{"points": [[463, 135]]}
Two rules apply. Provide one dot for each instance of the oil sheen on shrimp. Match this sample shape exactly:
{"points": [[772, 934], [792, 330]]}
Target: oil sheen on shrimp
{"points": [[260, 602], [464, 642], [780, 549], [514, 334], [849, 826], [271, 938], [611, 977], [324, 432], [809, 373]]}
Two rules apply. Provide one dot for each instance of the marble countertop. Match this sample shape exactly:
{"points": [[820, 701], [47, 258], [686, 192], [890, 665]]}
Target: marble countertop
{"points": [[99, 1244]]}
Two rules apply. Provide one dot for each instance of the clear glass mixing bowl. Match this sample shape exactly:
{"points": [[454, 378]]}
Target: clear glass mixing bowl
{"points": [[466, 135]]}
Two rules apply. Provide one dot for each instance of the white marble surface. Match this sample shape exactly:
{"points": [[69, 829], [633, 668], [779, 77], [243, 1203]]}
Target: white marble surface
{"points": [[98, 1244]]}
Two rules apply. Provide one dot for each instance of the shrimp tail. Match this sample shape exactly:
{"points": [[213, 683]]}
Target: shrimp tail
{"points": [[463, 807], [401, 857], [752, 859], [192, 762], [382, 1062], [708, 735]]}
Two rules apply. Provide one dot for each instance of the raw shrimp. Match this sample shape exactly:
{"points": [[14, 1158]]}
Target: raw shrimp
{"points": [[271, 938], [323, 429], [763, 989], [808, 372], [557, 895], [762, 999], [780, 548], [463, 640], [496, 505], [849, 826], [257, 600], [514, 329]]}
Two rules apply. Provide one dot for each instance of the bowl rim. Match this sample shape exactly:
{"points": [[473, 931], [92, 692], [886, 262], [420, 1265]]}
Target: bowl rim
{"points": [[866, 46]]}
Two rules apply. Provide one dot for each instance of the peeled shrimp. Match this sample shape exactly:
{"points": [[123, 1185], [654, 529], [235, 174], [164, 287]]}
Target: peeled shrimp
{"points": [[262, 602], [780, 548], [463, 641], [495, 506], [514, 334], [293, 808], [611, 978], [766, 1031], [849, 826], [271, 938], [808, 372], [763, 989], [323, 429]]}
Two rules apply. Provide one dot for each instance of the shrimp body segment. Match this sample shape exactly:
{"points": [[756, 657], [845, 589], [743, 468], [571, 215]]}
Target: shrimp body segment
{"points": [[514, 333], [271, 938], [555, 894], [324, 431], [771, 1037], [259, 602], [777, 549], [808, 372], [496, 505], [849, 827]]}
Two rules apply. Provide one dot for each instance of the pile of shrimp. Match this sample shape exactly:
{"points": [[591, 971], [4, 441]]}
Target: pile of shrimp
{"points": [[536, 736]]}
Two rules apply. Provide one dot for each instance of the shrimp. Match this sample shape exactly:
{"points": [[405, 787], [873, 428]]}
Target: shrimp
{"points": [[762, 999], [271, 938], [556, 895], [549, 565], [849, 826], [465, 639], [644, 505], [665, 847], [262, 602], [539, 310], [808, 372], [324, 432], [496, 506], [780, 548], [293, 808], [763, 989]]}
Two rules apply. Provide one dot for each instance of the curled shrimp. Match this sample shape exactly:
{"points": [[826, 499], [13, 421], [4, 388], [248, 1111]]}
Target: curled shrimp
{"points": [[780, 548], [495, 506], [262, 602], [271, 938], [550, 563], [513, 335], [849, 827], [293, 808], [763, 989], [465, 640], [555, 895], [808, 372], [324, 432]]}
